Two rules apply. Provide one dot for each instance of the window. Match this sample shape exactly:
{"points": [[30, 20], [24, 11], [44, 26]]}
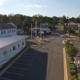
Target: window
{"points": [[13, 30], [14, 47], [10, 50], [19, 31], [1, 32], [22, 43], [4, 32], [5, 52], [18, 45], [8, 31]]}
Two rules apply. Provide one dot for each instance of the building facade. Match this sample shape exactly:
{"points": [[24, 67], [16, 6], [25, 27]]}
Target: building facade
{"points": [[10, 43]]}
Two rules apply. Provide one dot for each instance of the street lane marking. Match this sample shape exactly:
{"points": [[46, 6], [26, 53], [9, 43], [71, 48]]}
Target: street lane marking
{"points": [[19, 68], [5, 78], [15, 73]]}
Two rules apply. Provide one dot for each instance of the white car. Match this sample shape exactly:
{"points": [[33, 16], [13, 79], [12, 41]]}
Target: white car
{"points": [[64, 36], [41, 32]]}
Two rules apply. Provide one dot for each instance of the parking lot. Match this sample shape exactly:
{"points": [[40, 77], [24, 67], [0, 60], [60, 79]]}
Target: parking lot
{"points": [[30, 66]]}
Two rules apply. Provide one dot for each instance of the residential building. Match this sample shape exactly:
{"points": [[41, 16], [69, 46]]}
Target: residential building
{"points": [[10, 43], [43, 29], [20, 31]]}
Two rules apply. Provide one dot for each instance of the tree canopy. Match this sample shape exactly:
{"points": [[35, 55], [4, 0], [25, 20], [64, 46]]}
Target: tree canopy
{"points": [[18, 19]]}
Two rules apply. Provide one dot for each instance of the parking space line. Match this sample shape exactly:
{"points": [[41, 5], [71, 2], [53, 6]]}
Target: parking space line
{"points": [[5, 78], [18, 68], [29, 56], [26, 60], [15, 73], [22, 63]]}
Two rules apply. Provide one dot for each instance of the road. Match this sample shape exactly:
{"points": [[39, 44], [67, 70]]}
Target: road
{"points": [[55, 59]]}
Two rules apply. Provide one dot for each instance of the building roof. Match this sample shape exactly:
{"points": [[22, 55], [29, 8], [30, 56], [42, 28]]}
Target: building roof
{"points": [[5, 41], [7, 26]]}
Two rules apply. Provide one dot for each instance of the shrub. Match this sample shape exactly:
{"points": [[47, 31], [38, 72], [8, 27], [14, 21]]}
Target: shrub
{"points": [[71, 50], [71, 65], [72, 71], [79, 76]]}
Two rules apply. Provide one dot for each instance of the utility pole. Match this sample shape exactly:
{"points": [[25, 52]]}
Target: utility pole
{"points": [[40, 30], [36, 29], [31, 30]]}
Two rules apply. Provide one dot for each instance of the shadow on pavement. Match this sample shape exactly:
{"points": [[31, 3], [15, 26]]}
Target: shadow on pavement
{"points": [[39, 68], [29, 43]]}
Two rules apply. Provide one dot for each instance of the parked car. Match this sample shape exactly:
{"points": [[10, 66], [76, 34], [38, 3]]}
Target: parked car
{"points": [[64, 36]]}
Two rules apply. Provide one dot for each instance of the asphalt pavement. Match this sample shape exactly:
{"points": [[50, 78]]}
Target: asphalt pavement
{"points": [[30, 66], [55, 59]]}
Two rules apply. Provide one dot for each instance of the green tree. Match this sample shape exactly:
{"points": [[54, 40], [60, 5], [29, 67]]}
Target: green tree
{"points": [[5, 19], [69, 30], [1, 20], [61, 21], [54, 20], [37, 19]]}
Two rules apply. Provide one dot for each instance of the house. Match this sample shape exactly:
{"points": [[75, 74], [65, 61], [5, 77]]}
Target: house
{"points": [[46, 24], [10, 43], [20, 31], [72, 25], [7, 29], [44, 29]]}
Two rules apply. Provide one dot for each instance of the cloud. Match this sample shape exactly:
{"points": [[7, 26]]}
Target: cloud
{"points": [[2, 2], [35, 6]]}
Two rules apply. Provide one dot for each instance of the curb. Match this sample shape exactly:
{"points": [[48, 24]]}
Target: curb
{"points": [[63, 41], [65, 65]]}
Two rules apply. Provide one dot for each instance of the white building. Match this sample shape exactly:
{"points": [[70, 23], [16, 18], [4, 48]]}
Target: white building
{"points": [[20, 31], [43, 29], [46, 24], [7, 29], [10, 42]]}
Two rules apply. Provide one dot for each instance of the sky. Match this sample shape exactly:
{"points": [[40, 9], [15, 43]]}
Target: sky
{"points": [[70, 8]]}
